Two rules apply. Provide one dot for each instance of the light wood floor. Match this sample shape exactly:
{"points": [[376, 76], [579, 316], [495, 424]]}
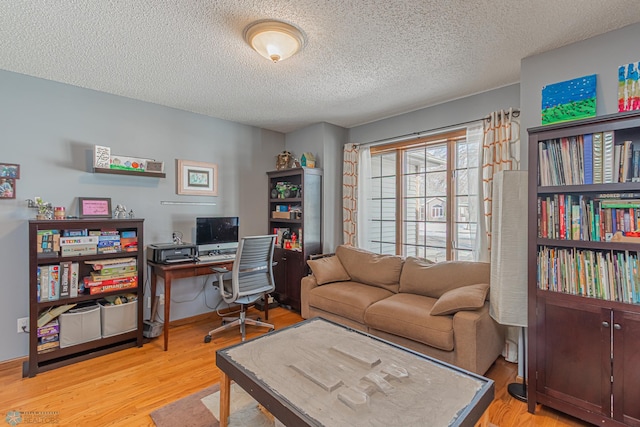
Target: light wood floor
{"points": [[122, 388]]}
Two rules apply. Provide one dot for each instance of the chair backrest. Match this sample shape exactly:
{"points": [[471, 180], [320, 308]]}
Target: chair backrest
{"points": [[252, 273]]}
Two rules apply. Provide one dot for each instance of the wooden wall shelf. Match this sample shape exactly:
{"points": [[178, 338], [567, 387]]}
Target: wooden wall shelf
{"points": [[126, 172]]}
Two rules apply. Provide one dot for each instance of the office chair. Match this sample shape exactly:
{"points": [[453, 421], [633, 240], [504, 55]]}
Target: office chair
{"points": [[250, 279]]}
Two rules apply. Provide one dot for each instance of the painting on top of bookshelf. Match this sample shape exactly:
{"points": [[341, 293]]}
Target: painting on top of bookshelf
{"points": [[569, 100], [628, 87]]}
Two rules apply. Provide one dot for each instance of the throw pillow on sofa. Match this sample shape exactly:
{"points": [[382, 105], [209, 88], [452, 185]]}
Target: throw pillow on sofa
{"points": [[469, 297], [328, 269], [370, 268]]}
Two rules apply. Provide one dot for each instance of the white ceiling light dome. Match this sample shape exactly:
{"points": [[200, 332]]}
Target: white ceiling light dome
{"points": [[275, 40]]}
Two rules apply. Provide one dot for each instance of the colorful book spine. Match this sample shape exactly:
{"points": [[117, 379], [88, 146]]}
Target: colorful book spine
{"points": [[588, 158]]}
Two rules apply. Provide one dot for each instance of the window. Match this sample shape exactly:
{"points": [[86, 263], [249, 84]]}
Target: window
{"points": [[424, 197]]}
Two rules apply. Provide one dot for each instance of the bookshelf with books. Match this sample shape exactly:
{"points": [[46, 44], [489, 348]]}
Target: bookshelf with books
{"points": [[583, 268], [78, 268], [295, 216]]}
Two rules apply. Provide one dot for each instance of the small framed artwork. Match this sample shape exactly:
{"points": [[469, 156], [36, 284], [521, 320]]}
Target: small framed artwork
{"points": [[94, 207], [9, 170], [7, 188], [197, 178]]}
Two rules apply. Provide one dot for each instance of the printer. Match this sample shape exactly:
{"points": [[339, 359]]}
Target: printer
{"points": [[169, 253]]}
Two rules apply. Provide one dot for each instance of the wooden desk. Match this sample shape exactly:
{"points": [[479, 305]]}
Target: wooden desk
{"points": [[168, 272]]}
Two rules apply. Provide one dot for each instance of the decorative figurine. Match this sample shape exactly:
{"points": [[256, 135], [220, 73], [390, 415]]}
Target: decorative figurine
{"points": [[120, 212], [284, 160], [131, 214]]}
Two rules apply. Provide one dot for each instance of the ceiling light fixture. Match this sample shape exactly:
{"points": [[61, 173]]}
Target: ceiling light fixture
{"points": [[274, 40]]}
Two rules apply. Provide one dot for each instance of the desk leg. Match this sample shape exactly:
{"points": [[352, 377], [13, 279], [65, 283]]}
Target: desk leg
{"points": [[225, 399], [167, 311], [266, 306], [153, 287]]}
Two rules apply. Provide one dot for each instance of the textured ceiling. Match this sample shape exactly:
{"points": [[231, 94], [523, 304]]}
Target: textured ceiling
{"points": [[364, 60]]}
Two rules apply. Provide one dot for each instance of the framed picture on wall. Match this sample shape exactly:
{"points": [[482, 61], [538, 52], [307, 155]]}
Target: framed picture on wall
{"points": [[197, 178], [7, 188], [94, 207], [9, 170]]}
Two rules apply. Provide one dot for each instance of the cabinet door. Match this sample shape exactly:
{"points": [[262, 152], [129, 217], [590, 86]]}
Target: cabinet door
{"points": [[280, 273], [296, 270], [574, 360], [626, 372]]}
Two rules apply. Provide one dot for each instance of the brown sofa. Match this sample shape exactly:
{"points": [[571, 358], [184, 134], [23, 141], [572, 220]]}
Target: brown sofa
{"points": [[440, 309]]}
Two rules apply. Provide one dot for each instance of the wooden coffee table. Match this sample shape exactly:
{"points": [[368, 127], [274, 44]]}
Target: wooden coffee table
{"points": [[320, 373]]}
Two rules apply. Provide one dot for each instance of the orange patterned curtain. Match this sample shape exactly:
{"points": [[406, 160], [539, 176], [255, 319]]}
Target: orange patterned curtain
{"points": [[500, 151], [349, 194]]}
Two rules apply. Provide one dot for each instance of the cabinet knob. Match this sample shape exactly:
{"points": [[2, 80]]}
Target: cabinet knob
{"points": [[617, 326], [605, 324]]}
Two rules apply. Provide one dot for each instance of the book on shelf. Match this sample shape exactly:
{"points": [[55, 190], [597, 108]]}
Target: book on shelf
{"points": [[89, 281], [79, 250], [75, 232], [54, 282], [96, 276], [608, 153], [100, 289], [74, 276], [65, 282], [113, 262], [597, 157], [78, 240], [609, 275]]}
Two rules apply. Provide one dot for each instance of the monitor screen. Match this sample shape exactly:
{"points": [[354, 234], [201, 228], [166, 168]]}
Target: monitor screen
{"points": [[217, 234]]}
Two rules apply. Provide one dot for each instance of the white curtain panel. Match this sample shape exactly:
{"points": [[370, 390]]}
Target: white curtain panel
{"points": [[475, 136]]}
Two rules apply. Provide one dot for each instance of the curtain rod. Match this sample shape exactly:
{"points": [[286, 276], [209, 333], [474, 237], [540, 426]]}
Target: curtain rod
{"points": [[516, 113]]}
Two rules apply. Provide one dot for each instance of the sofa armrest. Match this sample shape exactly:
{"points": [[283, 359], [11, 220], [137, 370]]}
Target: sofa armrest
{"points": [[306, 285], [479, 339]]}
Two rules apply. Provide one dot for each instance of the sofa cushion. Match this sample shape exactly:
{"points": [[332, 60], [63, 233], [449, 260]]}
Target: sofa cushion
{"points": [[407, 315], [346, 299], [465, 298], [328, 269], [372, 269], [421, 277]]}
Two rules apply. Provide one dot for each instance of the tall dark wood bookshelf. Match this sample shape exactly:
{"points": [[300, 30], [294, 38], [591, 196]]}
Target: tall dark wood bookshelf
{"points": [[291, 264], [584, 322], [43, 361]]}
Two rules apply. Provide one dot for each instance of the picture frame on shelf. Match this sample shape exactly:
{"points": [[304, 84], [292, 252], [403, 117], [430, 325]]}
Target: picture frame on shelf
{"points": [[7, 188], [197, 178], [94, 207], [9, 170]]}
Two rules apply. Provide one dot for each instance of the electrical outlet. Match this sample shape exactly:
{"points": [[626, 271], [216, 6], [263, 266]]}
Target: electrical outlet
{"points": [[161, 302], [23, 325]]}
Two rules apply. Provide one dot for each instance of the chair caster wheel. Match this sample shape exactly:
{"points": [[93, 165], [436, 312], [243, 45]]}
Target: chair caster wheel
{"points": [[224, 322], [207, 339], [259, 319]]}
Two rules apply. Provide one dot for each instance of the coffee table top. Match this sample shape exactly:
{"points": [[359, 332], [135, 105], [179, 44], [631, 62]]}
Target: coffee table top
{"points": [[321, 373]]}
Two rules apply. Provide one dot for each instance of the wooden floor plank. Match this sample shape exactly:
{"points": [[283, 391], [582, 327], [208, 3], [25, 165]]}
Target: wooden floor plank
{"points": [[121, 389]]}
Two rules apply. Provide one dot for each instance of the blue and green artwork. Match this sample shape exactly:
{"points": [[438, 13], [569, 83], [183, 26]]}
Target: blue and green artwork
{"points": [[570, 100]]}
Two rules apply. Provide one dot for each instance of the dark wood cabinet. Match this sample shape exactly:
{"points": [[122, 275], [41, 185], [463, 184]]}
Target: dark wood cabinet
{"points": [[584, 286], [295, 215], [108, 338]]}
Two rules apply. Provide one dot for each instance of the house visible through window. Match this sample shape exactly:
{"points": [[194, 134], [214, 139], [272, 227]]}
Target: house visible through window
{"points": [[424, 197]]}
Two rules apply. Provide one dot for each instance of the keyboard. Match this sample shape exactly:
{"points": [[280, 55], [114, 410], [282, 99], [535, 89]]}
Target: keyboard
{"points": [[216, 257]]}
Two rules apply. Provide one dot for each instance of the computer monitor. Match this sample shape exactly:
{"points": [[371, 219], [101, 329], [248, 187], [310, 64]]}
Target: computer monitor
{"points": [[217, 234]]}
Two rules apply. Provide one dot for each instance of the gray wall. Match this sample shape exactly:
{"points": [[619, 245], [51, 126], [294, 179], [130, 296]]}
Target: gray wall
{"points": [[325, 141], [50, 128], [447, 114], [601, 55]]}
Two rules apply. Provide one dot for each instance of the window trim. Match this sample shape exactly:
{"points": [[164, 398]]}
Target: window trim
{"points": [[450, 138]]}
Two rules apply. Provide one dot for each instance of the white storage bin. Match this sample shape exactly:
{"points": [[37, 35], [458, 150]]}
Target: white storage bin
{"points": [[80, 325], [118, 319]]}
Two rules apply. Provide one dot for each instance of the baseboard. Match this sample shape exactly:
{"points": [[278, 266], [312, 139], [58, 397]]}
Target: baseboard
{"points": [[13, 363]]}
